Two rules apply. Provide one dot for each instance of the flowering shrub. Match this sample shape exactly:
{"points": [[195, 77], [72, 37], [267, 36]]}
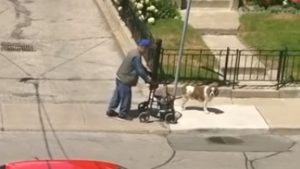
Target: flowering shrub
{"points": [[151, 10], [269, 3], [272, 6], [295, 3]]}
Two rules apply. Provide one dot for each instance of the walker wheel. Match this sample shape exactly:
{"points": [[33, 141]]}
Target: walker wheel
{"points": [[170, 118], [144, 117]]}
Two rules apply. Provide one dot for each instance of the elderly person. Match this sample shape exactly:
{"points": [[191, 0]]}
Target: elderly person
{"points": [[131, 68]]}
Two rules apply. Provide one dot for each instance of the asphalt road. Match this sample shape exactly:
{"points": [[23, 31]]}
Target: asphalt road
{"points": [[146, 151]]}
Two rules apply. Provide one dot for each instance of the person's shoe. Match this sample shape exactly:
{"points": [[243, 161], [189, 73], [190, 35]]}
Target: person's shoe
{"points": [[111, 113], [125, 117]]}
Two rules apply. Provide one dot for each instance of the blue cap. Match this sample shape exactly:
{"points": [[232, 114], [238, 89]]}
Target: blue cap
{"points": [[144, 43]]}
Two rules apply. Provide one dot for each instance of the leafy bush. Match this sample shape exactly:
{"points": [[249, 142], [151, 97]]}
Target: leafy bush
{"points": [[267, 3], [151, 10], [167, 9], [295, 3], [272, 6], [275, 9], [270, 3]]}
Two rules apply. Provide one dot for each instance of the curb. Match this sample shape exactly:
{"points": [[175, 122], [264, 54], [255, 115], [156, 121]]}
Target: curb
{"points": [[291, 92], [118, 27], [156, 132], [285, 131], [260, 93]]}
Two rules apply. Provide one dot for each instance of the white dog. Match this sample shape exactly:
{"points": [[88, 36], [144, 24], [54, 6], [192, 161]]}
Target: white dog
{"points": [[202, 93]]}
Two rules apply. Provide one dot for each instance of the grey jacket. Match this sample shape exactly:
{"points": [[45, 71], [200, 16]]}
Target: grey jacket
{"points": [[131, 68]]}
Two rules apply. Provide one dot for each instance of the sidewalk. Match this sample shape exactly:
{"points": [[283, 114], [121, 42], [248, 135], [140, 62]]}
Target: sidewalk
{"points": [[228, 114], [280, 115], [257, 114]]}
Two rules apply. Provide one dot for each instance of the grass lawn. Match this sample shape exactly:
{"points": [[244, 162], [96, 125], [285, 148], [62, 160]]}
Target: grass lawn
{"points": [[274, 31], [169, 30], [270, 31]]}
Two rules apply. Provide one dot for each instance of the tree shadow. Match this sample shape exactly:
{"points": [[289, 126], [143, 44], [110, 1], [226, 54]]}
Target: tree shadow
{"points": [[212, 110]]}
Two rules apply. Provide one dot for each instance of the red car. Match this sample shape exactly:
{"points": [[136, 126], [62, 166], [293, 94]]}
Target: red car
{"points": [[61, 164]]}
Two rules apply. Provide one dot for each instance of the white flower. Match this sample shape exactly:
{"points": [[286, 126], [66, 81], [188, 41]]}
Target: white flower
{"points": [[156, 10], [147, 1], [117, 2], [176, 17], [151, 8], [142, 17], [119, 8], [151, 20], [139, 5], [139, 12], [285, 2]]}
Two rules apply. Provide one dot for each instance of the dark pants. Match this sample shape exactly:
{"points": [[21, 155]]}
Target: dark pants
{"points": [[122, 97]]}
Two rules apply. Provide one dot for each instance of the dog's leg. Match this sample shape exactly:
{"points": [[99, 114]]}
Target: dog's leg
{"points": [[205, 107], [184, 101]]}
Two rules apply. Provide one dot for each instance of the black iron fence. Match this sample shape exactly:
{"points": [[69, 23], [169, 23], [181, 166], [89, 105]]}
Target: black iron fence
{"points": [[234, 66]]}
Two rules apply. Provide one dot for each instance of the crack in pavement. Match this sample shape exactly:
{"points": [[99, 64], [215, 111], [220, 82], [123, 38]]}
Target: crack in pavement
{"points": [[2, 119], [15, 64], [38, 100], [246, 160], [83, 39], [41, 108], [169, 159], [73, 58], [20, 10], [4, 10], [251, 162]]}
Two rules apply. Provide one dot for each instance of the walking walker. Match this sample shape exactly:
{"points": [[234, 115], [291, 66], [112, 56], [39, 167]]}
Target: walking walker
{"points": [[160, 106]]}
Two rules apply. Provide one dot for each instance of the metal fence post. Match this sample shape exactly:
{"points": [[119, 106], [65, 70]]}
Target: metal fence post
{"points": [[284, 66], [226, 65], [155, 66], [279, 69], [236, 68]]}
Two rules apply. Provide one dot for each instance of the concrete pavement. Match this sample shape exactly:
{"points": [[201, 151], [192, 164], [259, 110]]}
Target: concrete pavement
{"points": [[227, 114]]}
